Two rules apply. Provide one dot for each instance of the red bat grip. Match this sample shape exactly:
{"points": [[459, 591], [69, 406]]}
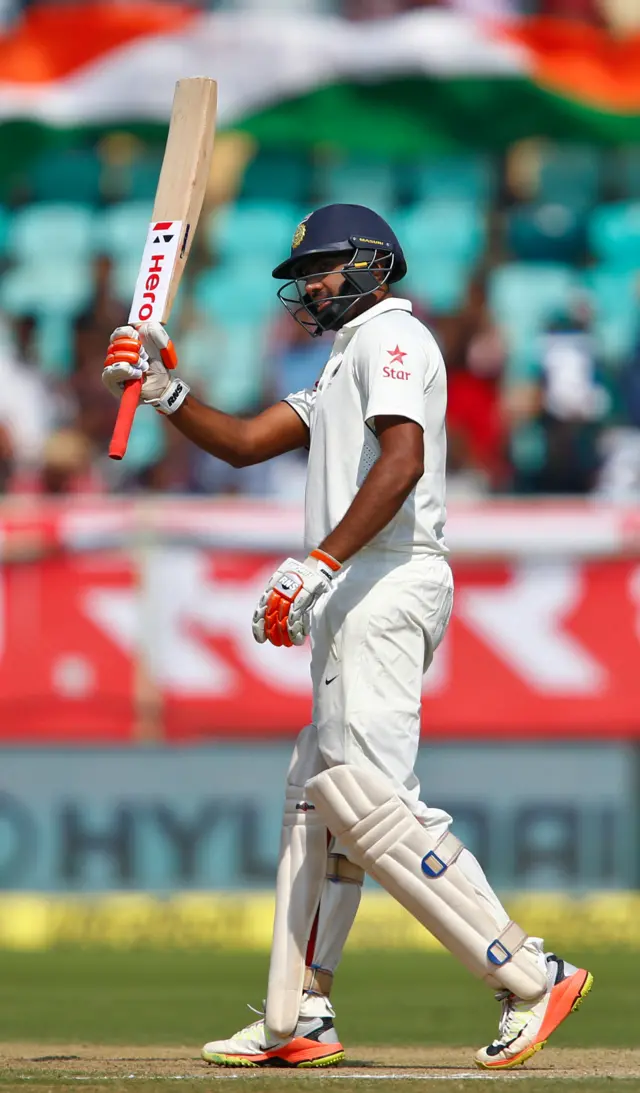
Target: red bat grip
{"points": [[124, 420]]}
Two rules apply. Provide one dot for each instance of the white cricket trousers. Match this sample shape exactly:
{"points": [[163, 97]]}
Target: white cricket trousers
{"points": [[372, 639]]}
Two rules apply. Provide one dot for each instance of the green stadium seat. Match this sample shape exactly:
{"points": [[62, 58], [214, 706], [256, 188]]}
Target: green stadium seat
{"points": [[440, 285], [545, 233], [452, 230], [523, 298], [569, 175], [124, 274], [66, 175], [51, 232], [359, 181], [615, 295], [626, 179], [54, 343], [47, 287], [278, 175], [236, 293], [121, 231], [262, 229], [197, 348], [614, 234], [613, 289], [225, 362], [139, 180], [147, 442], [5, 227], [454, 178]]}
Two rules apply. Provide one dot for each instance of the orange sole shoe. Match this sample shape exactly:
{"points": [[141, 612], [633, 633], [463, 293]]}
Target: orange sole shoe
{"points": [[566, 997], [300, 1052]]}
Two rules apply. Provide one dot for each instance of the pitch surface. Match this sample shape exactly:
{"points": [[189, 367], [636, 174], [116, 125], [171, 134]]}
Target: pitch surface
{"points": [[113, 1020]]}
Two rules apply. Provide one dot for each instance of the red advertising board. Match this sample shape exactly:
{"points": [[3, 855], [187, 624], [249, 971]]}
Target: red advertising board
{"points": [[538, 646]]}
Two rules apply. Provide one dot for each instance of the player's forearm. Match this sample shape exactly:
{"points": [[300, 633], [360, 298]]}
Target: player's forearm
{"points": [[379, 499], [220, 434]]}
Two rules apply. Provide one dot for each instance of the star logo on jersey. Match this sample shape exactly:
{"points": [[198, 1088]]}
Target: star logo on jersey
{"points": [[397, 356]]}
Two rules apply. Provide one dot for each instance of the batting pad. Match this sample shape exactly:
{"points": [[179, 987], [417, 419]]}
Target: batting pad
{"points": [[380, 834], [301, 871]]}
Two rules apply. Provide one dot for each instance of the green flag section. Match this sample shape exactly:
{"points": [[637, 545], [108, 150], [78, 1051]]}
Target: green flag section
{"points": [[407, 117], [425, 80]]}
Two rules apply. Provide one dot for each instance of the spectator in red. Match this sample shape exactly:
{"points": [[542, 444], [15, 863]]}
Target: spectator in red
{"points": [[476, 354]]}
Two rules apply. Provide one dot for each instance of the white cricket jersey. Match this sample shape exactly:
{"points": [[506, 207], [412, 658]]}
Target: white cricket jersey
{"points": [[382, 362]]}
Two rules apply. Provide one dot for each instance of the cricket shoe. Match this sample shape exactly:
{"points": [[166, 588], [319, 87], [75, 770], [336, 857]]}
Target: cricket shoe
{"points": [[314, 1042], [525, 1027]]}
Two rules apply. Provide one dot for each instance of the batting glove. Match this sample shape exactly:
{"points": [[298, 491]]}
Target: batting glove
{"points": [[145, 353], [283, 615]]}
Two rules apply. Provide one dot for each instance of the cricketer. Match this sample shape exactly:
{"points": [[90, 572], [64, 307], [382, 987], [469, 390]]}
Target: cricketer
{"points": [[374, 593]]}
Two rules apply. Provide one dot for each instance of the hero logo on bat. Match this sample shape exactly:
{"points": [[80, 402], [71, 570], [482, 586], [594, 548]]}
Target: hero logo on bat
{"points": [[167, 234], [156, 271]]}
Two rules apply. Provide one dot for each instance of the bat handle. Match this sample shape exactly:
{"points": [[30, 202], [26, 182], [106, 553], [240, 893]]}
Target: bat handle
{"points": [[124, 421]]}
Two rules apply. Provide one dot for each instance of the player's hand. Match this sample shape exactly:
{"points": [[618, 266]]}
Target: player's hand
{"points": [[145, 353], [283, 615], [129, 359]]}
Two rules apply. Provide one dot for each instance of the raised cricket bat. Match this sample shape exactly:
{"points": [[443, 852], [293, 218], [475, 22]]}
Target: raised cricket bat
{"points": [[176, 210]]}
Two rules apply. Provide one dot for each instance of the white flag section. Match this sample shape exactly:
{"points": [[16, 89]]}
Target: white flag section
{"points": [[259, 59]]}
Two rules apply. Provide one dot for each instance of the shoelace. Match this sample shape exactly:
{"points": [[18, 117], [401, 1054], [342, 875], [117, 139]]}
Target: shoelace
{"points": [[248, 1031], [514, 1016]]}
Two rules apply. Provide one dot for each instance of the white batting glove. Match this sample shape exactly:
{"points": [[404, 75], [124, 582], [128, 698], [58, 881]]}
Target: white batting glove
{"points": [[145, 353], [283, 614]]}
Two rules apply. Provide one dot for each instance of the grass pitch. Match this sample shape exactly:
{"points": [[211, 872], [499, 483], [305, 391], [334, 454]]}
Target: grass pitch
{"points": [[408, 1020]]}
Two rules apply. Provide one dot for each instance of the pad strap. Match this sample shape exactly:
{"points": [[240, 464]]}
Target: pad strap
{"points": [[506, 944], [447, 850], [341, 870], [317, 981]]}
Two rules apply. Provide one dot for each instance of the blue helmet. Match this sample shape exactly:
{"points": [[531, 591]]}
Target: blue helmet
{"points": [[368, 244]]}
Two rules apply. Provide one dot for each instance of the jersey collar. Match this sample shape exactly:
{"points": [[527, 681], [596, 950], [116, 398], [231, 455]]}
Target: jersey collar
{"points": [[390, 303]]}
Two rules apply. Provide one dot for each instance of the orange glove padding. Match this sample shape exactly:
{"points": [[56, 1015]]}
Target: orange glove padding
{"points": [[144, 353], [283, 615]]}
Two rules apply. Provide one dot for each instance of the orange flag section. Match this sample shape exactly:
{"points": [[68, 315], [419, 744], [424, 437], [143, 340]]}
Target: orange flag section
{"points": [[55, 40], [581, 62]]}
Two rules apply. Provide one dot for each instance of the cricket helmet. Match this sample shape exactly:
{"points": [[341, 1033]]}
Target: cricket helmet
{"points": [[373, 257]]}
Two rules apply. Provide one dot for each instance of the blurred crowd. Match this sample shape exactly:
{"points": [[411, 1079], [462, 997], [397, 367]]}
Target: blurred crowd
{"points": [[564, 424], [559, 420]]}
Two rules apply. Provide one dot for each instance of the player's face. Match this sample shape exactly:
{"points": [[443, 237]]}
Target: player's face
{"points": [[323, 279], [320, 297]]}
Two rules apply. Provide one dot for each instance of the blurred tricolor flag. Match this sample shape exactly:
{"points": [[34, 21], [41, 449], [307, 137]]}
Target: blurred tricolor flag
{"points": [[426, 79]]}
